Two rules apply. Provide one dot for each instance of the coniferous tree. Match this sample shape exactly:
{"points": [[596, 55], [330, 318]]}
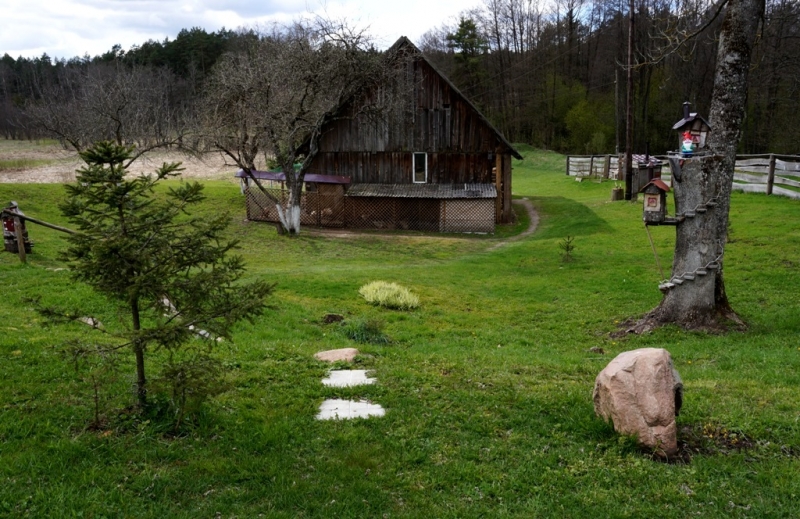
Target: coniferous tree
{"points": [[170, 274]]}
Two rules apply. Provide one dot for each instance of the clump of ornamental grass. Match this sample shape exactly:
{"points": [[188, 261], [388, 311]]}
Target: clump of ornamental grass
{"points": [[389, 295], [366, 331]]}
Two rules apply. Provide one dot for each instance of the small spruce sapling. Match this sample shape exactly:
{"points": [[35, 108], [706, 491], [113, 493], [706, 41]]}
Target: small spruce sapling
{"points": [[169, 274], [567, 246]]}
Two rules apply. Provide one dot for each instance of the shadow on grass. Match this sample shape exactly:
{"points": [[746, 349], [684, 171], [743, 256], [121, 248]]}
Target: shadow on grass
{"points": [[568, 217]]}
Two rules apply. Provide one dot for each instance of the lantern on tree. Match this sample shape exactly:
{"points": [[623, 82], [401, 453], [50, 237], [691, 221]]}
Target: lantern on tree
{"points": [[693, 131]]}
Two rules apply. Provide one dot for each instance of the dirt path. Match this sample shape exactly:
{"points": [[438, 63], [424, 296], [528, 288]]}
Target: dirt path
{"points": [[534, 216]]}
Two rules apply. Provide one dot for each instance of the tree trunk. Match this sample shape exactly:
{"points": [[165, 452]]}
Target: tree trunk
{"points": [[690, 295], [695, 295], [290, 215], [138, 351]]}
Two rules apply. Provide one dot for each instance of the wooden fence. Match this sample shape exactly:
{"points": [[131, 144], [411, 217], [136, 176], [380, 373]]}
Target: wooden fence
{"points": [[594, 166], [766, 173], [609, 167], [753, 173]]}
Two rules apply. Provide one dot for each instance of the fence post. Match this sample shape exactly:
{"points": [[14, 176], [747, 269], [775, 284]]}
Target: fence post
{"points": [[567, 165], [771, 177], [591, 166], [20, 239], [607, 166]]}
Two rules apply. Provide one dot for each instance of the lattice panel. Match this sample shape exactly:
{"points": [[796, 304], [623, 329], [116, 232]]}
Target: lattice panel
{"points": [[417, 214], [321, 209], [370, 213], [467, 215]]}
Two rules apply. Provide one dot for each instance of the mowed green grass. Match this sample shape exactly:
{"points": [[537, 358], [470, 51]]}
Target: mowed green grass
{"points": [[487, 385]]}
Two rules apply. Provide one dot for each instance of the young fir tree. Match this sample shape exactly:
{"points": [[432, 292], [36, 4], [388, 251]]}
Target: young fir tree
{"points": [[171, 274]]}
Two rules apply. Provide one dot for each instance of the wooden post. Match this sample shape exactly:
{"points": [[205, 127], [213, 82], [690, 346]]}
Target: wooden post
{"points": [[591, 165], [498, 184], [771, 177], [607, 166], [567, 165], [629, 110], [20, 240], [507, 189]]}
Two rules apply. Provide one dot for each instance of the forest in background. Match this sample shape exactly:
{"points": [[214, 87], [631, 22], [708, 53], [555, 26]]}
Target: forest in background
{"points": [[547, 74]]}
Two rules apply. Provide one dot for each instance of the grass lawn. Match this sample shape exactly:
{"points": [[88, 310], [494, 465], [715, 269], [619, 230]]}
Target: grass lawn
{"points": [[487, 385]]}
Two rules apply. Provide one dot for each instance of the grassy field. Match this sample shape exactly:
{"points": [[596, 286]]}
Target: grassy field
{"points": [[487, 385]]}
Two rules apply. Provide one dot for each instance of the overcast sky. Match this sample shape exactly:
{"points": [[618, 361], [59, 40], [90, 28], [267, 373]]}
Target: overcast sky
{"points": [[68, 28]]}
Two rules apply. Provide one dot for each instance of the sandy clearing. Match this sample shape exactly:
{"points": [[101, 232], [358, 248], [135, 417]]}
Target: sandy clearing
{"points": [[64, 163]]}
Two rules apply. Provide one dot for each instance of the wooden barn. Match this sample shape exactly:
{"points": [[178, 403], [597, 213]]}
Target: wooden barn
{"points": [[434, 163]]}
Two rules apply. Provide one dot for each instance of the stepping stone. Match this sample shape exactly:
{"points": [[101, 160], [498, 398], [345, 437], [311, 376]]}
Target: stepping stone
{"points": [[701, 209], [91, 321], [344, 354], [688, 277], [677, 281], [348, 378], [711, 204], [346, 409], [701, 272], [689, 214], [712, 265]]}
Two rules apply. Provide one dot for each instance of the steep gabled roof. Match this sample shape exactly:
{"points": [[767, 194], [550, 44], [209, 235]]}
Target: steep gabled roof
{"points": [[404, 43]]}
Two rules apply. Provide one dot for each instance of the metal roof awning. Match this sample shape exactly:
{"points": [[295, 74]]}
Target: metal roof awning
{"points": [[310, 177], [423, 190]]}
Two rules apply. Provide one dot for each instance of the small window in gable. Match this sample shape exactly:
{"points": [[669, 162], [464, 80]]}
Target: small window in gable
{"points": [[420, 168]]}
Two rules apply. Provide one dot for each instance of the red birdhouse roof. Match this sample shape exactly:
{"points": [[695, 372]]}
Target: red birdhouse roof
{"points": [[658, 183]]}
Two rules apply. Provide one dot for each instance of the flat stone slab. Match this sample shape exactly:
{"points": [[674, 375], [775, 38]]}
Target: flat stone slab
{"points": [[348, 378], [344, 354], [338, 409]]}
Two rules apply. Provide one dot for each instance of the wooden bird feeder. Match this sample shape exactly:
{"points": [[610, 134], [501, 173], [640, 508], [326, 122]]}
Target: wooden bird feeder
{"points": [[655, 203], [693, 130]]}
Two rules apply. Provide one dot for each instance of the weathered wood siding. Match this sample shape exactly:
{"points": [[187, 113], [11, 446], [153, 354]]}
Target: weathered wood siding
{"points": [[432, 118], [395, 167]]}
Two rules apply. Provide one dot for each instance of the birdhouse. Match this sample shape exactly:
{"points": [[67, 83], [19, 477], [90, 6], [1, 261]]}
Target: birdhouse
{"points": [[693, 130], [655, 202]]}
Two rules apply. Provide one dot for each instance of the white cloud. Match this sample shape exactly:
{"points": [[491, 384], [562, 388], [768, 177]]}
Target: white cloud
{"points": [[67, 28]]}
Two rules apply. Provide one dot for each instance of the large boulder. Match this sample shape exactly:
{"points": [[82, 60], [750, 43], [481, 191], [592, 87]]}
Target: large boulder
{"points": [[641, 393]]}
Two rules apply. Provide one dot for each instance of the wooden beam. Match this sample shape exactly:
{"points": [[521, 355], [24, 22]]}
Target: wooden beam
{"points": [[498, 184], [506, 188], [20, 240], [771, 177]]}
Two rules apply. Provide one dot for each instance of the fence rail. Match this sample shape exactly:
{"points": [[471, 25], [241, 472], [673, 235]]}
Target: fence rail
{"points": [[597, 166], [772, 174], [609, 167], [767, 173]]}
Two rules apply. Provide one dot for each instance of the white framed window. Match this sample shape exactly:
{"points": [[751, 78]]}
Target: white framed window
{"points": [[420, 168]]}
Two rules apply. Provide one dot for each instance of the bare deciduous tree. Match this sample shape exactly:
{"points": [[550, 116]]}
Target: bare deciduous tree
{"points": [[128, 105], [272, 99]]}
